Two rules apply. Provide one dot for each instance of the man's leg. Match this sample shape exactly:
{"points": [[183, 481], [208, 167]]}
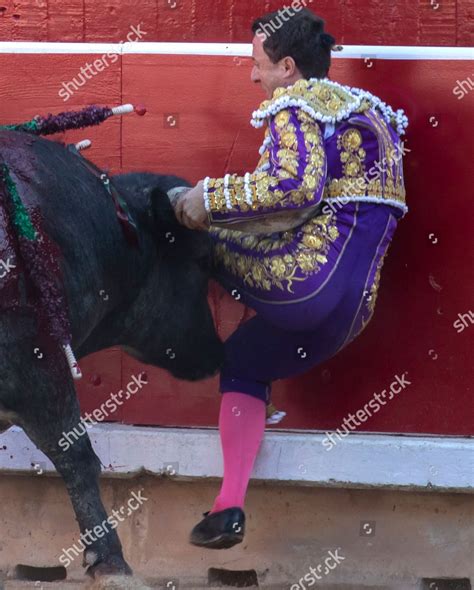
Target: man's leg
{"points": [[241, 427], [257, 353]]}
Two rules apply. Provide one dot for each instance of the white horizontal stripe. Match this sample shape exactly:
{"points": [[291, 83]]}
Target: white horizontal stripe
{"points": [[409, 52], [358, 460], [53, 48], [233, 50]]}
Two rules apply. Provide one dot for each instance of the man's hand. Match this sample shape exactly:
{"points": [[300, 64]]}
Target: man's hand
{"points": [[190, 210]]}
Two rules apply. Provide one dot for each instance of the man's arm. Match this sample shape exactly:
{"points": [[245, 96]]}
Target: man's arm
{"points": [[284, 195]]}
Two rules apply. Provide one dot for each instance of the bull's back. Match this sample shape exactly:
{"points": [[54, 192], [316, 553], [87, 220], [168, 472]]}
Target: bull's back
{"points": [[73, 209], [55, 185]]}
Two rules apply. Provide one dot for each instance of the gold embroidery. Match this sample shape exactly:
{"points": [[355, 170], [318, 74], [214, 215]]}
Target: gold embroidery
{"points": [[335, 101], [289, 140], [264, 185], [351, 155], [370, 301], [383, 180], [315, 168], [310, 246], [374, 289], [360, 187], [324, 98], [265, 159], [288, 161], [282, 119], [390, 164]]}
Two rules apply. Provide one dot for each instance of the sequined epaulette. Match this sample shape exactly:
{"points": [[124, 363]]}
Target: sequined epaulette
{"points": [[328, 102]]}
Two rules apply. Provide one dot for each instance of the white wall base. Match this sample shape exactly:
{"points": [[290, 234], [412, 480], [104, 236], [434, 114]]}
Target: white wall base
{"points": [[359, 460]]}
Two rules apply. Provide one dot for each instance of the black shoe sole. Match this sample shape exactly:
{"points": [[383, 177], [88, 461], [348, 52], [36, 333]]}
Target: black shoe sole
{"points": [[223, 541]]}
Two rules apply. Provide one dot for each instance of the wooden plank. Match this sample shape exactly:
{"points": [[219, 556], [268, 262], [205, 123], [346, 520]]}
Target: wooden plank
{"points": [[176, 20], [30, 85], [24, 20], [6, 20], [66, 20], [426, 22], [112, 20], [465, 23], [438, 22], [332, 12], [177, 125]]}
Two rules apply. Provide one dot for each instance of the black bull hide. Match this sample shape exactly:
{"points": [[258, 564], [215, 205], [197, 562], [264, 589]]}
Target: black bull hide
{"points": [[151, 300]]}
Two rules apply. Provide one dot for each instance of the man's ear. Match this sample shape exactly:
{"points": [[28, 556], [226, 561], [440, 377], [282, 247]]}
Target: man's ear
{"points": [[289, 65]]}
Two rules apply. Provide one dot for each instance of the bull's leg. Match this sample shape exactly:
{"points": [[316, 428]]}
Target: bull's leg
{"points": [[51, 411]]}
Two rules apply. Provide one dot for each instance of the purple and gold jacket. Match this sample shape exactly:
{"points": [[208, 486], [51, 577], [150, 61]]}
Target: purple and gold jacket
{"points": [[326, 146]]}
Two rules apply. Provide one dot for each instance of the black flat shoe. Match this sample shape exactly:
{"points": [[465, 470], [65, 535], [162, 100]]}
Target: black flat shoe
{"points": [[220, 530]]}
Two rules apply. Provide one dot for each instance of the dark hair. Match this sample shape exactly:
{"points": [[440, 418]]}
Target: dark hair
{"points": [[300, 36]]}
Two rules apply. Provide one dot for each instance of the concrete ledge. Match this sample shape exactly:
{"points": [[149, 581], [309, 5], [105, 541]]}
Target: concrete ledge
{"points": [[359, 460]]}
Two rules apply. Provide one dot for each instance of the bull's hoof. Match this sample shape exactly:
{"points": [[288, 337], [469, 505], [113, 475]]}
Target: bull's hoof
{"points": [[114, 566], [117, 583]]}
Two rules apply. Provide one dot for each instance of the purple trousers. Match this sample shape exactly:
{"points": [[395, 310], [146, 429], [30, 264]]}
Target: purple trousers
{"points": [[286, 339]]}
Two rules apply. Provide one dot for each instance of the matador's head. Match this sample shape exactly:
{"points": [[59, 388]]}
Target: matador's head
{"points": [[288, 45]]}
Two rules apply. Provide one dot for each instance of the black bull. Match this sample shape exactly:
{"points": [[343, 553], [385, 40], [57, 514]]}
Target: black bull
{"points": [[151, 300]]}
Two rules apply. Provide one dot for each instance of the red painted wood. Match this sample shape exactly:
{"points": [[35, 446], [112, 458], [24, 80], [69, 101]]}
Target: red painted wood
{"points": [[465, 18], [425, 285], [29, 86], [199, 85], [102, 377], [66, 21], [366, 22]]}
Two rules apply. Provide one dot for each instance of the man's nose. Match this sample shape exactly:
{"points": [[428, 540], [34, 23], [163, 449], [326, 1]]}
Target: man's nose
{"points": [[254, 75]]}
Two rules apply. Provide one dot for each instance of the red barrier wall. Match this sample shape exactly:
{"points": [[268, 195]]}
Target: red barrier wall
{"points": [[427, 280], [356, 22]]}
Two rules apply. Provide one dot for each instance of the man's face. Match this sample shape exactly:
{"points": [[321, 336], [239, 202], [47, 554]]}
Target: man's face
{"points": [[265, 72]]}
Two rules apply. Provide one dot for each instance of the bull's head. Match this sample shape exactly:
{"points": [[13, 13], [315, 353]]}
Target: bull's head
{"points": [[174, 328]]}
